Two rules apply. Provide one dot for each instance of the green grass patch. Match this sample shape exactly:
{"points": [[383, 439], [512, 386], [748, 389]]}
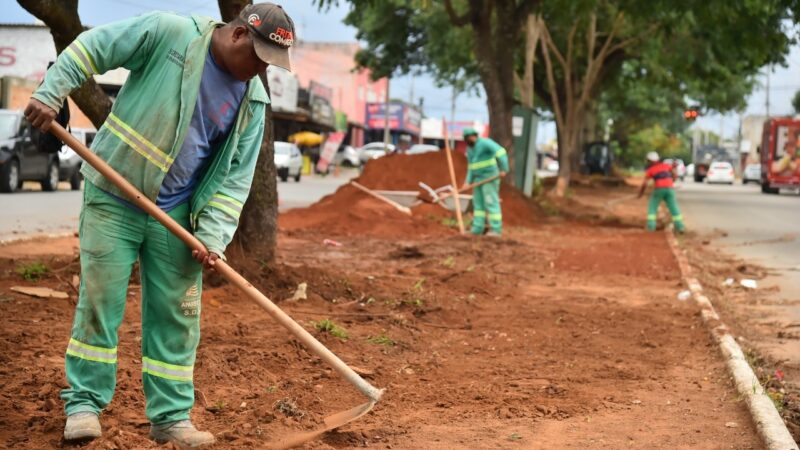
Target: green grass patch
{"points": [[382, 339], [32, 271], [330, 327]]}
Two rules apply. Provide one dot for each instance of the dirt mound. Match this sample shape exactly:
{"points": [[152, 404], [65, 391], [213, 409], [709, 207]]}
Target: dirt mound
{"points": [[349, 211], [405, 172]]}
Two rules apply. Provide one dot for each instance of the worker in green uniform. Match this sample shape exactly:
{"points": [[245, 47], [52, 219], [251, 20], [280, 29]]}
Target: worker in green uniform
{"points": [[662, 175], [486, 159], [185, 129]]}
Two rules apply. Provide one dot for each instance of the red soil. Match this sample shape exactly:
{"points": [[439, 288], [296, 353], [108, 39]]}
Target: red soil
{"points": [[351, 212]]}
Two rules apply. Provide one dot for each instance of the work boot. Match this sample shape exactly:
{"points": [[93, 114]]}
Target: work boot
{"points": [[82, 426], [181, 433], [493, 234]]}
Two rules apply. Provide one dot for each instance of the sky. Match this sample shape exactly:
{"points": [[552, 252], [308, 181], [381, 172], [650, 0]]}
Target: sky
{"points": [[326, 25]]}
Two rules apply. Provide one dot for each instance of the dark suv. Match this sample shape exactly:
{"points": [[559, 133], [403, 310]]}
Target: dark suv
{"points": [[25, 155]]}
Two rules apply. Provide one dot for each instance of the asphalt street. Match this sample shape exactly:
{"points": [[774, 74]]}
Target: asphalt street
{"points": [[33, 212], [759, 228]]}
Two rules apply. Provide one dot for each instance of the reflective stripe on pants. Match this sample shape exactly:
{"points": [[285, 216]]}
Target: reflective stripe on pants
{"points": [[486, 202], [112, 238], [667, 195]]}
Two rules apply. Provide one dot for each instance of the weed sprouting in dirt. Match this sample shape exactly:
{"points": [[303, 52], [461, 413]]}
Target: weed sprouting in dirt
{"points": [[514, 437], [271, 389], [330, 327], [288, 407], [382, 339], [217, 407], [420, 284], [449, 262], [32, 271]]}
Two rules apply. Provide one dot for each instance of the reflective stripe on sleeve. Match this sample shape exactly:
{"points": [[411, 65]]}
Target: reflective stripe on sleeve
{"points": [[167, 371], [76, 52], [138, 142], [483, 164], [500, 153], [229, 205], [88, 352]]}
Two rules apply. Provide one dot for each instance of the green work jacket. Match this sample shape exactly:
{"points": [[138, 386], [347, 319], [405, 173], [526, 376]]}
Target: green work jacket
{"points": [[145, 130], [485, 159]]}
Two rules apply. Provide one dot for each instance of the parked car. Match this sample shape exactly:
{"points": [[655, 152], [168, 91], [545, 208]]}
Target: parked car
{"points": [[288, 161], [375, 150], [679, 166], [422, 148], [720, 172], [347, 156], [69, 161], [752, 172], [23, 154]]}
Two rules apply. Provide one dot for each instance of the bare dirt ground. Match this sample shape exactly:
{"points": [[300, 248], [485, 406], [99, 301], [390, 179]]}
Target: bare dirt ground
{"points": [[564, 333]]}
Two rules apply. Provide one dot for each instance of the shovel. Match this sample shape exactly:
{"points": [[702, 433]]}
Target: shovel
{"points": [[335, 420]]}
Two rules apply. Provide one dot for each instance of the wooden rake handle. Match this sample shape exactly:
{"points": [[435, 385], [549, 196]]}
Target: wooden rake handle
{"points": [[221, 267], [467, 187]]}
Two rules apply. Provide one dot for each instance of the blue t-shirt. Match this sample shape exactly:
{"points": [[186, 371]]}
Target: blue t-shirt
{"points": [[215, 112]]}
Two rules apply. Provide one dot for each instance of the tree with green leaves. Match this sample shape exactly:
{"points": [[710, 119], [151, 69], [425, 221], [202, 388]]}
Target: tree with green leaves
{"points": [[459, 42], [796, 102], [714, 50]]}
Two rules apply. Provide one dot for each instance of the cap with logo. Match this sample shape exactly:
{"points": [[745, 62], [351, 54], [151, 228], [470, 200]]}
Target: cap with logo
{"points": [[272, 30]]}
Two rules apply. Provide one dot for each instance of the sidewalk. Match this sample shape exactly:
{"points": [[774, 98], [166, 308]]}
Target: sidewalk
{"points": [[564, 335]]}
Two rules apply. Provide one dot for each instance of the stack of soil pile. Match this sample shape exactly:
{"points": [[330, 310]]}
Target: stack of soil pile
{"points": [[350, 212]]}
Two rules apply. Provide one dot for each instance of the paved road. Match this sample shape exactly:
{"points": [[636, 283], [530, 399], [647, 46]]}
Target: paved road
{"points": [[764, 229], [32, 212]]}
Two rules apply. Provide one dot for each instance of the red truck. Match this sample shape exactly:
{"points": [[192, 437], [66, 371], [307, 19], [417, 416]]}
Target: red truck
{"points": [[780, 155]]}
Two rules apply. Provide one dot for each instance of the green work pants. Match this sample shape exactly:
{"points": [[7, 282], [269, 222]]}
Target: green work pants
{"points": [[486, 204], [112, 238], [666, 195]]}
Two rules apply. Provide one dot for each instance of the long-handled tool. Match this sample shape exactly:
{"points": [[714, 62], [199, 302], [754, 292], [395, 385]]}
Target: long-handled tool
{"points": [[452, 177], [380, 197], [333, 421], [439, 198]]}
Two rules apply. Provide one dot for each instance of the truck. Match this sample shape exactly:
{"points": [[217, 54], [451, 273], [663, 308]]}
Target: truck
{"points": [[704, 155], [779, 155]]}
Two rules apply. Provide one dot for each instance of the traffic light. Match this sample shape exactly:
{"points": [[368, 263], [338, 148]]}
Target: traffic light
{"points": [[690, 115]]}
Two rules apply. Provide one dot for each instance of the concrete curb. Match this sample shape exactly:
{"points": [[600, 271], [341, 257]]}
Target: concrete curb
{"points": [[768, 422]]}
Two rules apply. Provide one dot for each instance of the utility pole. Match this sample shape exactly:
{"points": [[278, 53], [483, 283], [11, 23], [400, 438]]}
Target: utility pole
{"points": [[769, 70], [453, 115], [386, 105]]}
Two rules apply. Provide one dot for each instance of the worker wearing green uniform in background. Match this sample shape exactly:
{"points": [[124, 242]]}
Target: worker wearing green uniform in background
{"points": [[662, 175], [486, 159]]}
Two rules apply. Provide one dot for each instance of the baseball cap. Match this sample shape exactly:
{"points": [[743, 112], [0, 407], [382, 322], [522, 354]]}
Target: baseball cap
{"points": [[470, 132], [272, 30], [653, 157]]}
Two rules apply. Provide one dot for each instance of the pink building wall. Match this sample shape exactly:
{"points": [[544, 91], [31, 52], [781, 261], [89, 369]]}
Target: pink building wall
{"points": [[332, 64]]}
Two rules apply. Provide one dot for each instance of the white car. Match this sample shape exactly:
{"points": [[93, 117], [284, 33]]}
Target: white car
{"points": [[374, 150], [422, 148], [690, 170], [720, 172], [288, 161], [752, 172]]}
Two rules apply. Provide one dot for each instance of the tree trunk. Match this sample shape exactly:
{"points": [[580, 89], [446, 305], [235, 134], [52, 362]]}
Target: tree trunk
{"points": [[229, 9], [257, 234], [65, 25]]}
